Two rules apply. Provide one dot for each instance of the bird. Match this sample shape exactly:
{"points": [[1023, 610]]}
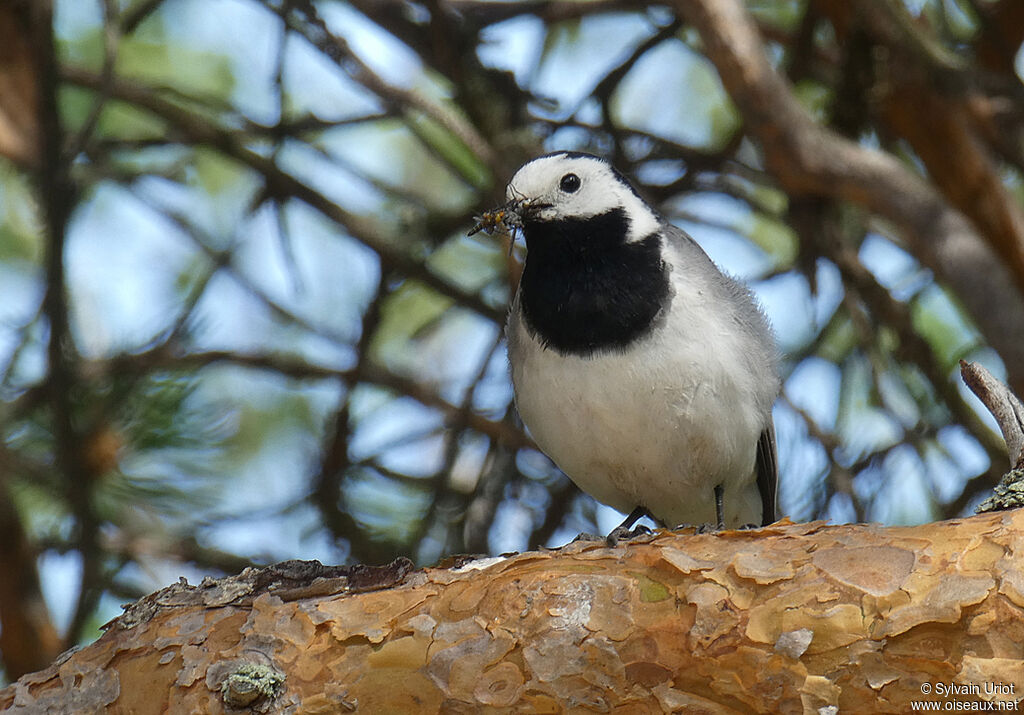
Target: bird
{"points": [[645, 373]]}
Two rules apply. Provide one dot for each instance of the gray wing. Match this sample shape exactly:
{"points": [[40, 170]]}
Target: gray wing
{"points": [[760, 354], [737, 294], [767, 468]]}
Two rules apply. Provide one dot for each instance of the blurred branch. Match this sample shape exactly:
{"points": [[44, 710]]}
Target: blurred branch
{"points": [[127, 546], [22, 339], [477, 517], [839, 479], [59, 196], [808, 159], [399, 98], [135, 16], [184, 548], [913, 348], [606, 87], [820, 231], [485, 12], [223, 259], [111, 38], [279, 183], [476, 514], [919, 77], [19, 87], [563, 495], [28, 639], [1002, 32], [163, 359], [501, 431], [327, 490]]}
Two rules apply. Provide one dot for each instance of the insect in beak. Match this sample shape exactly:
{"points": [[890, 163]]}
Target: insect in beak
{"points": [[508, 218]]}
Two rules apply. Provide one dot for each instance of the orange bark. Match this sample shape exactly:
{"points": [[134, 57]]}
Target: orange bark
{"points": [[788, 619]]}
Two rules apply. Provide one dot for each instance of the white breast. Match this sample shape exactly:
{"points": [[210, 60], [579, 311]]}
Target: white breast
{"points": [[660, 423]]}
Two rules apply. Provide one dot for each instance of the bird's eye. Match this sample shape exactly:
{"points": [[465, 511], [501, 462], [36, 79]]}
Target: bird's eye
{"points": [[569, 183]]}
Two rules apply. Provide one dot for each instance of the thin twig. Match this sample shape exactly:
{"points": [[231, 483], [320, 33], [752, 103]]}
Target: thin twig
{"points": [[1002, 403]]}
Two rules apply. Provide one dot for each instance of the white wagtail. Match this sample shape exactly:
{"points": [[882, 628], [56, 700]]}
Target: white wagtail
{"points": [[646, 374]]}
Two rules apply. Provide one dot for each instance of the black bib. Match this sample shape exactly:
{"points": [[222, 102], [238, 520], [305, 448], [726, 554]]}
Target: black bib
{"points": [[584, 289]]}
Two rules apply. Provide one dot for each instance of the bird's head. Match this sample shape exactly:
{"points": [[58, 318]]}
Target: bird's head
{"points": [[571, 187]]}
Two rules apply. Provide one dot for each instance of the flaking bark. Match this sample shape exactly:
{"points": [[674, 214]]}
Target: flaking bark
{"points": [[791, 618]]}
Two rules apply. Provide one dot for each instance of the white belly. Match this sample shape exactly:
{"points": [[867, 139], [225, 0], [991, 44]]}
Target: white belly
{"points": [[657, 425]]}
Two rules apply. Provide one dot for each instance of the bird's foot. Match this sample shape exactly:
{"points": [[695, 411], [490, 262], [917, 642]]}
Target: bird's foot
{"points": [[621, 533], [616, 536]]}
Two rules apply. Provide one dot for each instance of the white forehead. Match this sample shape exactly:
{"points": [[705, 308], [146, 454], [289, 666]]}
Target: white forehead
{"points": [[540, 174], [601, 190]]}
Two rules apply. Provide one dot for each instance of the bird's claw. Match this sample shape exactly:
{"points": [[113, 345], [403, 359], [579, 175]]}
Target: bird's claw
{"points": [[621, 533]]}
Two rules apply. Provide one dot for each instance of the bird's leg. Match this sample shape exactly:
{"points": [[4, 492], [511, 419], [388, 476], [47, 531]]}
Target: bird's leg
{"points": [[634, 516], [622, 532], [719, 518], [719, 509]]}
